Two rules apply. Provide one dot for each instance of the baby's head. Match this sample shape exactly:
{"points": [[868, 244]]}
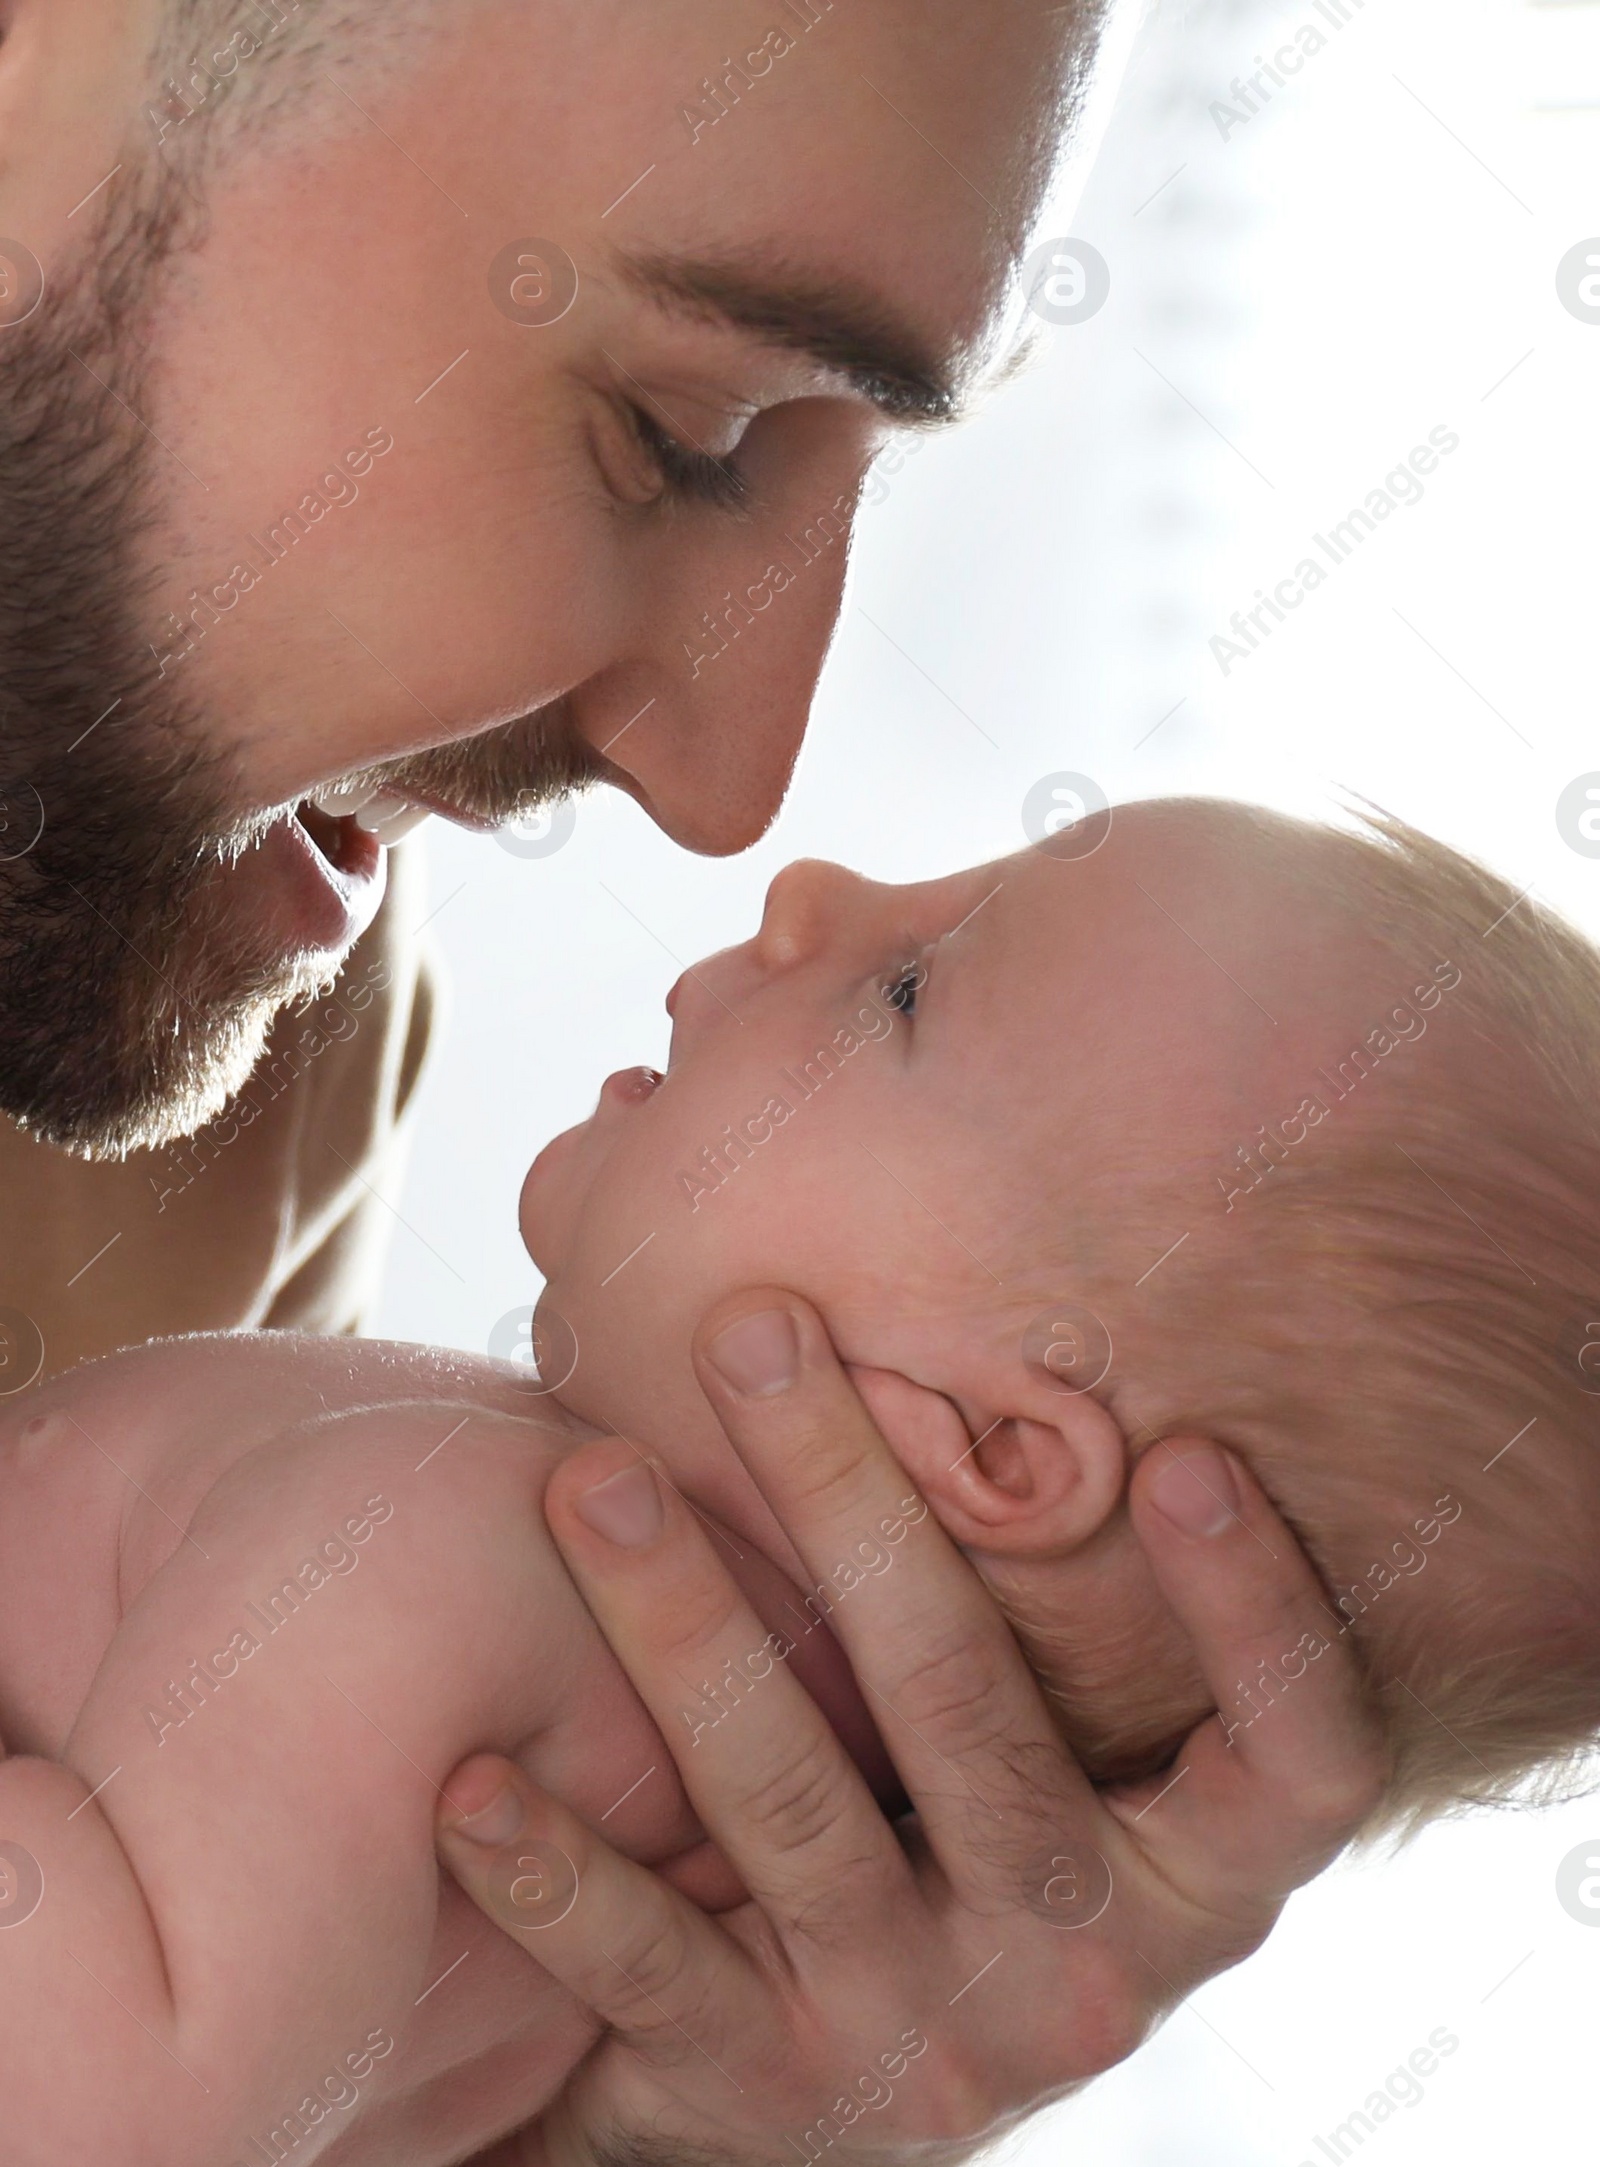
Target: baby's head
{"points": [[1284, 1135]]}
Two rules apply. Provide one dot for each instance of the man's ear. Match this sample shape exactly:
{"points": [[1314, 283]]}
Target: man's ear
{"points": [[1037, 1481]]}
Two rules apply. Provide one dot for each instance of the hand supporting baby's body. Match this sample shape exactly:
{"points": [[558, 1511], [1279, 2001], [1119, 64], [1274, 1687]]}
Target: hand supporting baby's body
{"points": [[246, 1922]]}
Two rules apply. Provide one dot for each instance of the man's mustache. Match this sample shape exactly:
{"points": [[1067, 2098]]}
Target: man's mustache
{"points": [[500, 776]]}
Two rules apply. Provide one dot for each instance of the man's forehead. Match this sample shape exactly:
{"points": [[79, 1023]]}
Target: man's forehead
{"points": [[864, 201]]}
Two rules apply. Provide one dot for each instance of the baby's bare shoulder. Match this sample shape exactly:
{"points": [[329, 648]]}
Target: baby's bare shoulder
{"points": [[168, 1418], [103, 1468]]}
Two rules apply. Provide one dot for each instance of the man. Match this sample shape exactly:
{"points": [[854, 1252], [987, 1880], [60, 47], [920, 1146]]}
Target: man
{"points": [[419, 409], [450, 452]]}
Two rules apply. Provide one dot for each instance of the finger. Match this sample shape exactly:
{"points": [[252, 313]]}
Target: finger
{"points": [[960, 1711], [642, 1957], [767, 1777], [1279, 1780]]}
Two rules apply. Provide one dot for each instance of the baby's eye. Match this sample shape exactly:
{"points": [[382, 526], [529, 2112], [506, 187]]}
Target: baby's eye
{"points": [[901, 992]]}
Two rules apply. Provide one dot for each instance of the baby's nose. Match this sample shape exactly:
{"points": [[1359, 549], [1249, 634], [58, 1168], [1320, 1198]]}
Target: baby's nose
{"points": [[808, 905]]}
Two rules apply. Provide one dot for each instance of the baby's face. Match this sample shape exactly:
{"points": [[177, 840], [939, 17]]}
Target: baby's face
{"points": [[828, 1122], [939, 1113], [883, 1101]]}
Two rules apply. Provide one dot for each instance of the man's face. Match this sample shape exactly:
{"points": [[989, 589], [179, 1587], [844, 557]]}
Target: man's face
{"points": [[504, 431]]}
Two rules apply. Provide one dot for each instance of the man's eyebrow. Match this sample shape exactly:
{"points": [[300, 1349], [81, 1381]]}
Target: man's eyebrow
{"points": [[845, 330]]}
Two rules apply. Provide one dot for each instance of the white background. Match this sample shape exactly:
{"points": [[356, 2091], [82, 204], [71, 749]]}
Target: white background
{"points": [[1293, 307]]}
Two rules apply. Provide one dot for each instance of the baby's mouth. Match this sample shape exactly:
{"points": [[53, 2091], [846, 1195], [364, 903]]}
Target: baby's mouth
{"points": [[627, 1088], [632, 1086]]}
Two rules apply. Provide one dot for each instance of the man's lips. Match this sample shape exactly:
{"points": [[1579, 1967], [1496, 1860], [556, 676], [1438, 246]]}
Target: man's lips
{"points": [[349, 833], [309, 886]]}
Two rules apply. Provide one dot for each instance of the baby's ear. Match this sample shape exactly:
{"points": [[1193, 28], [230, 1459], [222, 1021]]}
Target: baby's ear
{"points": [[1035, 1482]]}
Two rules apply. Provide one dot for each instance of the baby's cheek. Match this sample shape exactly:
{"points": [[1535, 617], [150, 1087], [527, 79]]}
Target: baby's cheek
{"points": [[594, 1754]]}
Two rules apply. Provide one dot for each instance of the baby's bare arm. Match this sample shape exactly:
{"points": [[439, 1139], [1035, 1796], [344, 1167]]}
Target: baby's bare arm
{"points": [[241, 1916]]}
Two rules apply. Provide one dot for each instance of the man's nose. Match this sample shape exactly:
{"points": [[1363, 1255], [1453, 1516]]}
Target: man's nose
{"points": [[708, 716]]}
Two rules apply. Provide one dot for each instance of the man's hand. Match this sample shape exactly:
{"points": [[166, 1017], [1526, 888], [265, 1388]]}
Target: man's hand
{"points": [[888, 1988]]}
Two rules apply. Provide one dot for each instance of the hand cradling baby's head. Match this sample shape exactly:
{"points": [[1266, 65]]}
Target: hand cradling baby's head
{"points": [[1262, 1131]]}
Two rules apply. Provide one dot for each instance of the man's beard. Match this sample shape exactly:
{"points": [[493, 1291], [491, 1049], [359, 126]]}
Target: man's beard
{"points": [[131, 1008]]}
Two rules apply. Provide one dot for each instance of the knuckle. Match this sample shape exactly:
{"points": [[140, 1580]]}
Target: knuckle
{"points": [[795, 1802], [656, 1975], [1107, 2025], [1277, 1615], [1103, 2009], [828, 1466], [952, 1688], [1247, 1934], [964, 2100], [831, 1920], [1334, 1800], [654, 1954], [701, 1610]]}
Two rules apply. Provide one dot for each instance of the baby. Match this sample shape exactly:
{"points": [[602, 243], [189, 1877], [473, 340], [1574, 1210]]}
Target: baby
{"points": [[1285, 1135], [1228, 1125]]}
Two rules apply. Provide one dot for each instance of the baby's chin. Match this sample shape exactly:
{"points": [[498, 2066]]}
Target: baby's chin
{"points": [[545, 1210], [561, 1206]]}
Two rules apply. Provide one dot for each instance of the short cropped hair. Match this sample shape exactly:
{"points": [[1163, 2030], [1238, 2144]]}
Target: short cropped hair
{"points": [[226, 72]]}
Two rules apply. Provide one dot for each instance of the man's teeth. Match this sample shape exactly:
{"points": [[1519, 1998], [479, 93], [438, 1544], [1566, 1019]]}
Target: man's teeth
{"points": [[390, 819], [380, 813], [336, 800]]}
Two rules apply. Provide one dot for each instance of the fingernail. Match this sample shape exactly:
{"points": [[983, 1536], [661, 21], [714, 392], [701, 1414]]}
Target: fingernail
{"points": [[625, 1508], [760, 1355], [1198, 1493], [495, 1824]]}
